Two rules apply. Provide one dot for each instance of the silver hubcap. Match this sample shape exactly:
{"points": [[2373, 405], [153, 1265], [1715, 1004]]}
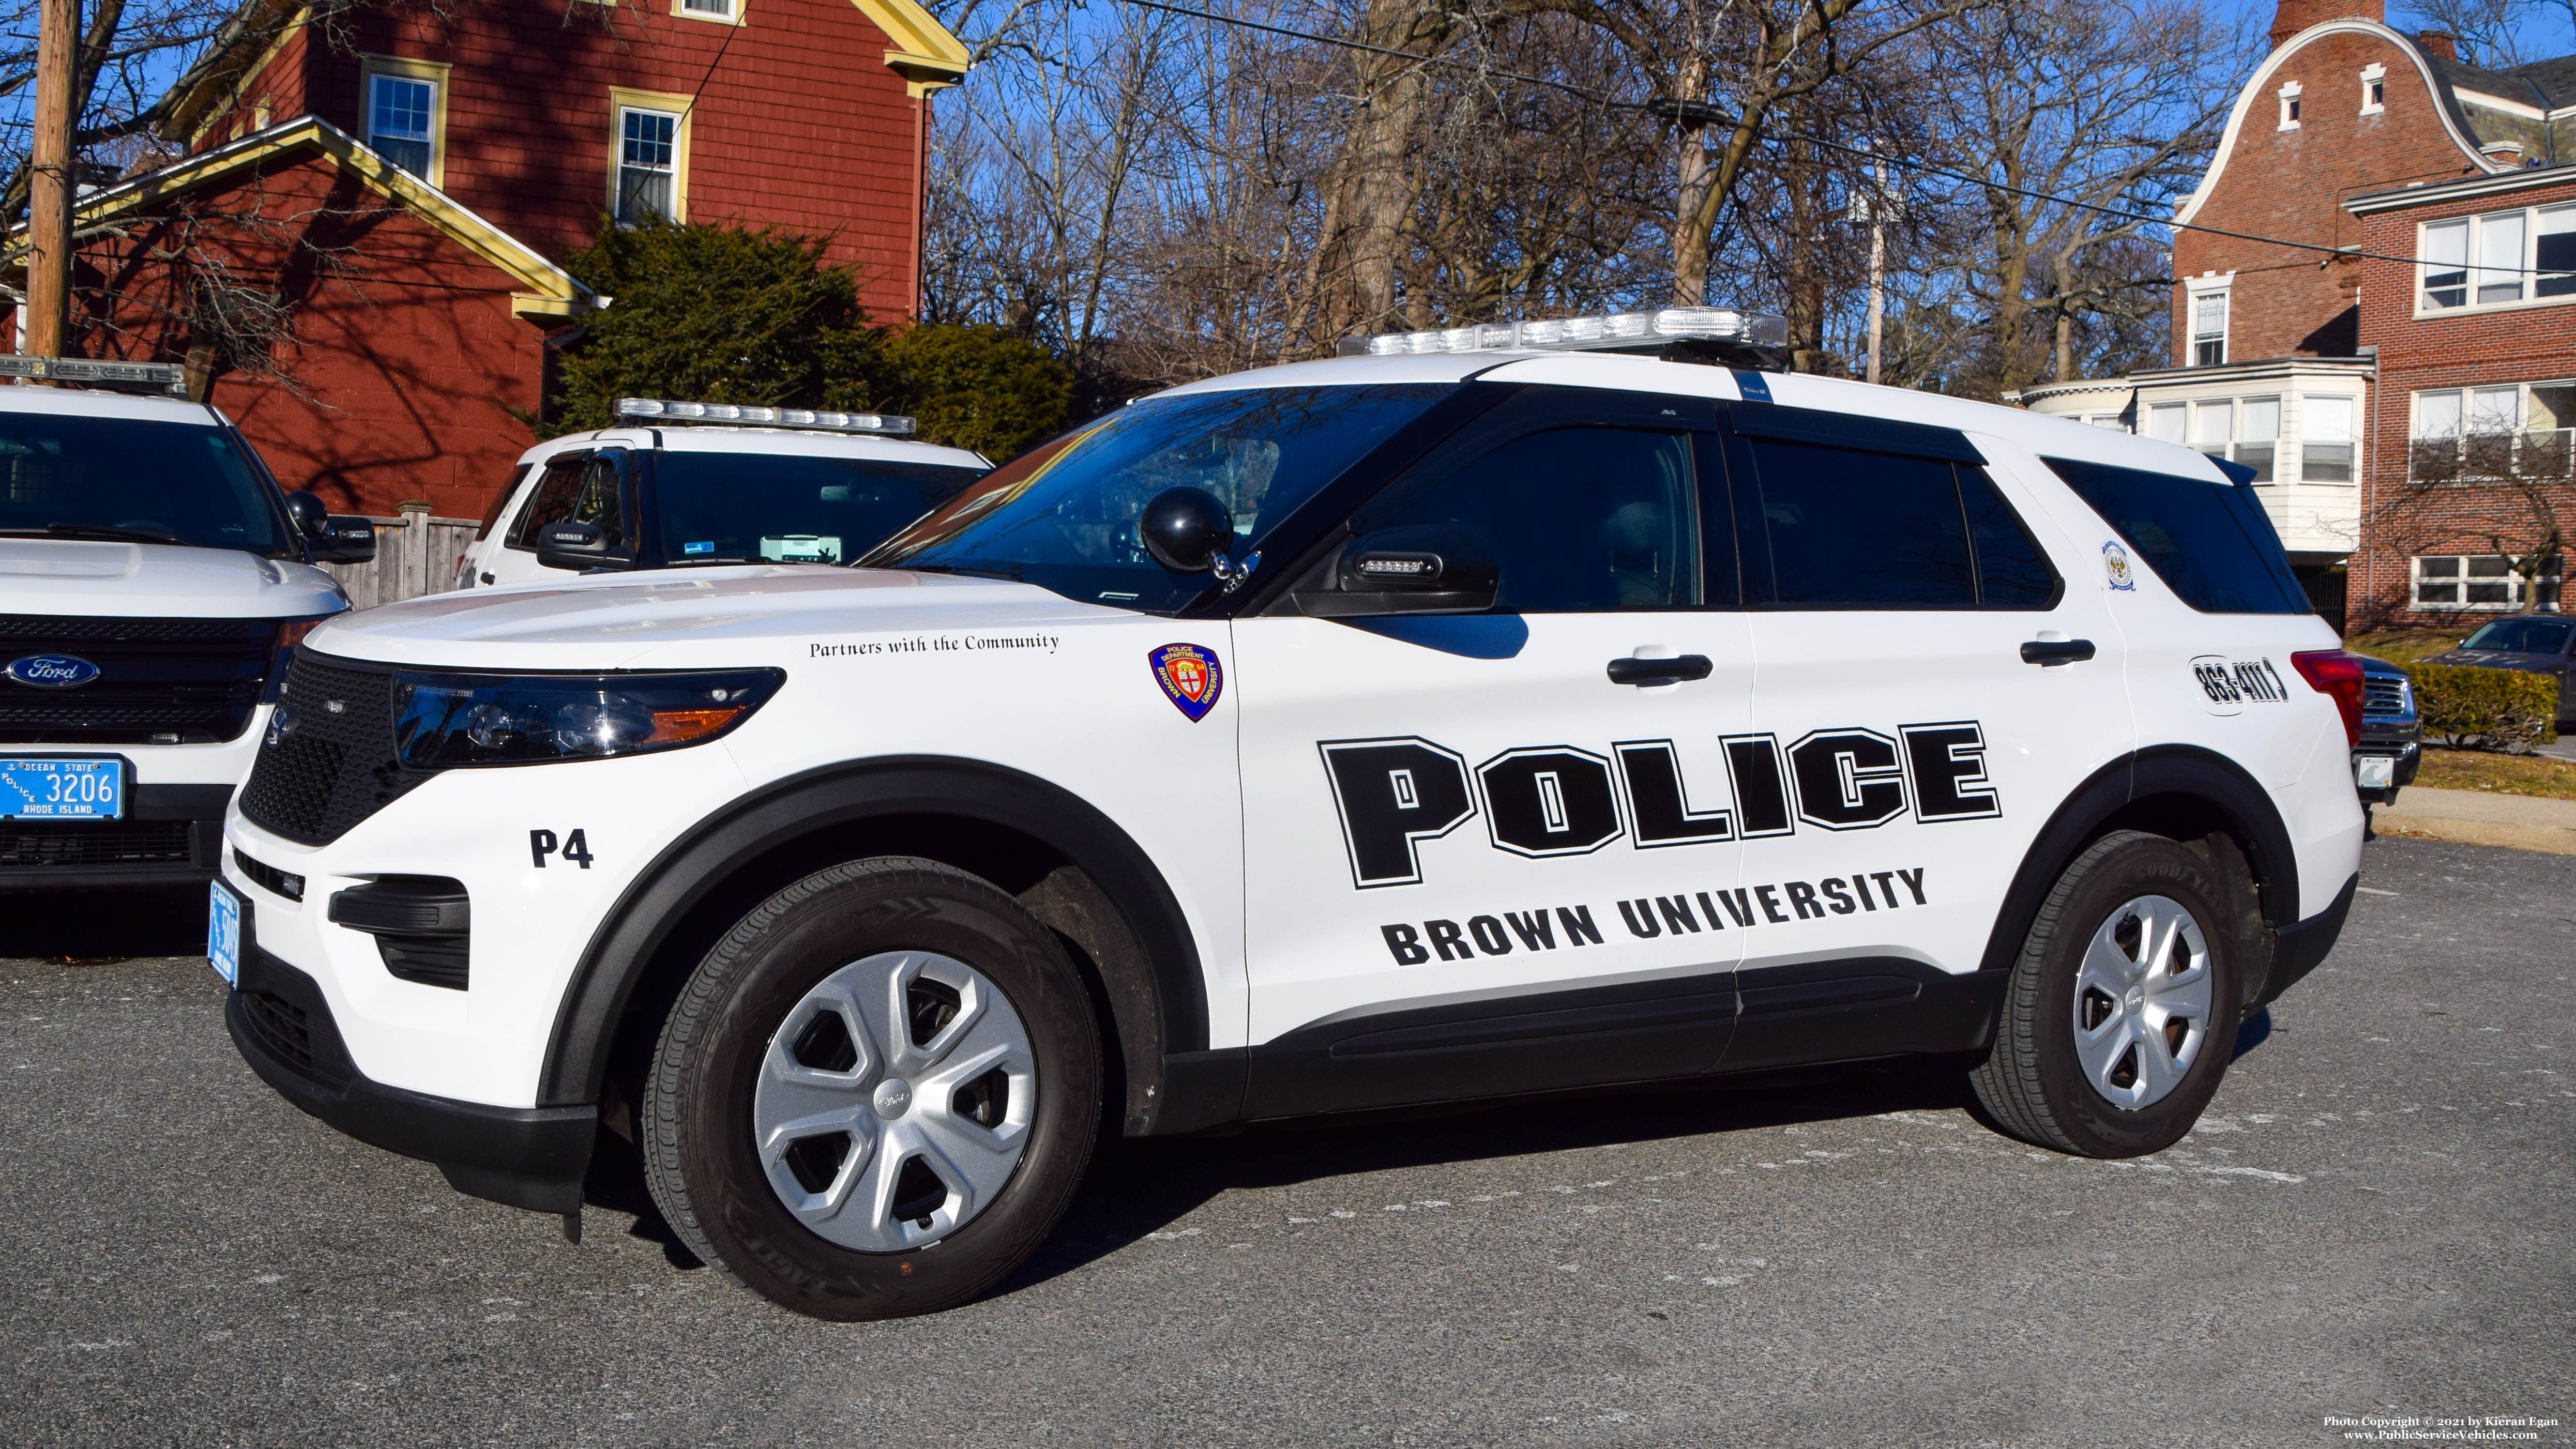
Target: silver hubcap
{"points": [[2142, 1002], [894, 1101]]}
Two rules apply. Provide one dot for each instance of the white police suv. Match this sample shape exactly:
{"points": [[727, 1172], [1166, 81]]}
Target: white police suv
{"points": [[1481, 714], [152, 578], [696, 484]]}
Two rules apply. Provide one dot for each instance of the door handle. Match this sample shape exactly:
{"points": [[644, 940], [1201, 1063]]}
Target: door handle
{"points": [[1660, 671], [2056, 651]]}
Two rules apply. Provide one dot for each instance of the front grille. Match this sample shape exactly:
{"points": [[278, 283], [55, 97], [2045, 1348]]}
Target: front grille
{"points": [[2383, 696], [287, 1031], [324, 769], [60, 843], [160, 681]]}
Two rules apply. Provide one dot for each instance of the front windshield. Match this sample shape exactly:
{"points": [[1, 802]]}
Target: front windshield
{"points": [[1063, 516], [146, 482], [2525, 636], [727, 507]]}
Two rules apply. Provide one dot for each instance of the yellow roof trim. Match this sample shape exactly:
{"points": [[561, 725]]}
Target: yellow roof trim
{"points": [[546, 282], [924, 50]]}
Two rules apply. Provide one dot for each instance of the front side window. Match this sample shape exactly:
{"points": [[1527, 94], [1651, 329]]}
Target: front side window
{"points": [[2208, 329], [140, 482], [2210, 542], [1063, 515], [400, 114], [647, 165], [748, 507], [1579, 520], [582, 488]]}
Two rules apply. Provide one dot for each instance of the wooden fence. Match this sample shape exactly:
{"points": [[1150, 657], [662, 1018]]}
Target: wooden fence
{"points": [[415, 555]]}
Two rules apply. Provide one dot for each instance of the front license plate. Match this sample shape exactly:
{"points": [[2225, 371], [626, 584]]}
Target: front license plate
{"points": [[224, 933], [2374, 772], [36, 789]]}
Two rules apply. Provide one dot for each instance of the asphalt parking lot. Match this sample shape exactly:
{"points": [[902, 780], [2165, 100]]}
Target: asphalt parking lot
{"points": [[2377, 1218]]}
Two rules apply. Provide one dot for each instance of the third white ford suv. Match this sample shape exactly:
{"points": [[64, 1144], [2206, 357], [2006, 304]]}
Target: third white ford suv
{"points": [[1470, 717]]}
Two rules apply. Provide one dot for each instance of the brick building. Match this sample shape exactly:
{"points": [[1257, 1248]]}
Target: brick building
{"points": [[2286, 358], [400, 185]]}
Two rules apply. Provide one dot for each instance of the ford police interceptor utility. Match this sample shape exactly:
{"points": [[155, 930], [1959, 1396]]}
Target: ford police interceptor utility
{"points": [[152, 578], [1476, 715], [698, 484]]}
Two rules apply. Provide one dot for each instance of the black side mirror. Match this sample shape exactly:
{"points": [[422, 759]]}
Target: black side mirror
{"points": [[1412, 570], [343, 540], [1186, 530], [579, 547], [307, 512]]}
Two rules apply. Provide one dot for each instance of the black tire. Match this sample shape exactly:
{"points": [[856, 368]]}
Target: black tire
{"points": [[2033, 1084], [695, 1119]]}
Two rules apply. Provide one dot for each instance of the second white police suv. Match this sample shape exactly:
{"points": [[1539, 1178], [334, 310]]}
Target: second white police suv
{"points": [[1495, 711]]}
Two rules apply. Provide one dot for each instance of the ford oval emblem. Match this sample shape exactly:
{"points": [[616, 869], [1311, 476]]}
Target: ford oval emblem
{"points": [[52, 671]]}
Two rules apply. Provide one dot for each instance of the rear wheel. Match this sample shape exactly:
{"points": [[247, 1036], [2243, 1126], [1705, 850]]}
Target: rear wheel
{"points": [[2121, 1016], [877, 1093]]}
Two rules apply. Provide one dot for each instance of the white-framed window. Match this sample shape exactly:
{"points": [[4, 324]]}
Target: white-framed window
{"points": [[2290, 106], [2517, 429], [2325, 439], [2499, 260], [402, 121], [2374, 88], [648, 165], [2169, 422], [2209, 328], [2116, 422], [2484, 582], [705, 9]]}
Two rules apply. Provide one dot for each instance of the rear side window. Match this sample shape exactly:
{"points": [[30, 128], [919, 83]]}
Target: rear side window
{"points": [[2210, 542], [1849, 529]]}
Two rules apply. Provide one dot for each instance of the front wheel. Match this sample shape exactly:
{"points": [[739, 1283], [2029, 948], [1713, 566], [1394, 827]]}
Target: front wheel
{"points": [[877, 1093], [2121, 1015]]}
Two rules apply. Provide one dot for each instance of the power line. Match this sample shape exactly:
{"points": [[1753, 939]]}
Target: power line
{"points": [[1672, 109]]}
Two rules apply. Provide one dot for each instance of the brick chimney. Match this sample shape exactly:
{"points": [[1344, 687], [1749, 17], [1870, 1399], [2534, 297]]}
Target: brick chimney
{"points": [[2294, 16], [2439, 44]]}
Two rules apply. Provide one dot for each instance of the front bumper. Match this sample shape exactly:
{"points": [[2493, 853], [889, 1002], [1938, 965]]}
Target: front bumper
{"points": [[2408, 756], [528, 1157], [171, 835]]}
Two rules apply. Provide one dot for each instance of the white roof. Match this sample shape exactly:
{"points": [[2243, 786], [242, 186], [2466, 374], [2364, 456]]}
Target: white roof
{"points": [[788, 442], [2048, 436], [97, 402]]}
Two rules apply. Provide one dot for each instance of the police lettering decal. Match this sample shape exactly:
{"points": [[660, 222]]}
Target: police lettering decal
{"points": [[2115, 567], [1190, 676], [1647, 917], [2228, 685], [1540, 801]]}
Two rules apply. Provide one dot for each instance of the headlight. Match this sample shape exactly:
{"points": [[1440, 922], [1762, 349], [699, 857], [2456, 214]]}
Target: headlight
{"points": [[445, 720]]}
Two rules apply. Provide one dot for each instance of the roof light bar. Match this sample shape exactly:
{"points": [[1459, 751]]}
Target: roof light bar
{"points": [[1615, 330], [739, 414], [166, 377]]}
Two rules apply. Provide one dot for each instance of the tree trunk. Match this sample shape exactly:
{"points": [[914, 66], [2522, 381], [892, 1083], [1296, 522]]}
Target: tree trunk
{"points": [[1375, 184]]}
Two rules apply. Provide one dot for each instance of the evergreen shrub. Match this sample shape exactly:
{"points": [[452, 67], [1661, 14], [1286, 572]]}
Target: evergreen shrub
{"points": [[2485, 709]]}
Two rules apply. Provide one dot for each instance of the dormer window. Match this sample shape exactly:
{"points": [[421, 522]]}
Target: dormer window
{"points": [[2374, 89], [2290, 106]]}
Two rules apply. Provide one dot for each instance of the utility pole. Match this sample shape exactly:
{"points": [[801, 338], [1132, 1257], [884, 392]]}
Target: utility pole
{"points": [[49, 178], [1876, 200]]}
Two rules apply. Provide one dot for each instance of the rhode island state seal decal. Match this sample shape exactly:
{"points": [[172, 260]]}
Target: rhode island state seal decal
{"points": [[1190, 676]]}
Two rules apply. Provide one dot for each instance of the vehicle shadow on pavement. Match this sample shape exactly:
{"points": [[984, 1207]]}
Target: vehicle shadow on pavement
{"points": [[107, 925], [1140, 1186]]}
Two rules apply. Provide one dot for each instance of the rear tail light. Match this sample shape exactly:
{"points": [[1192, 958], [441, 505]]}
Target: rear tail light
{"points": [[2336, 674]]}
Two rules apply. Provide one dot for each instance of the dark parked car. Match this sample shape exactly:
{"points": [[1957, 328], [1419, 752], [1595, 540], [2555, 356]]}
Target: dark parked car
{"points": [[2391, 731], [2533, 643]]}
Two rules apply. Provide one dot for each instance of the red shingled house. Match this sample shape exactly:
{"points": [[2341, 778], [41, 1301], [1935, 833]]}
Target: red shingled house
{"points": [[376, 200]]}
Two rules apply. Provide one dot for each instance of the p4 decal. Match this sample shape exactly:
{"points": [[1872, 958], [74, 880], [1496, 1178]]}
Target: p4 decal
{"points": [[1542, 801]]}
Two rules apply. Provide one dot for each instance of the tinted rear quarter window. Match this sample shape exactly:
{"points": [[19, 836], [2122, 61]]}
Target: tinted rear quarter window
{"points": [[2211, 543]]}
